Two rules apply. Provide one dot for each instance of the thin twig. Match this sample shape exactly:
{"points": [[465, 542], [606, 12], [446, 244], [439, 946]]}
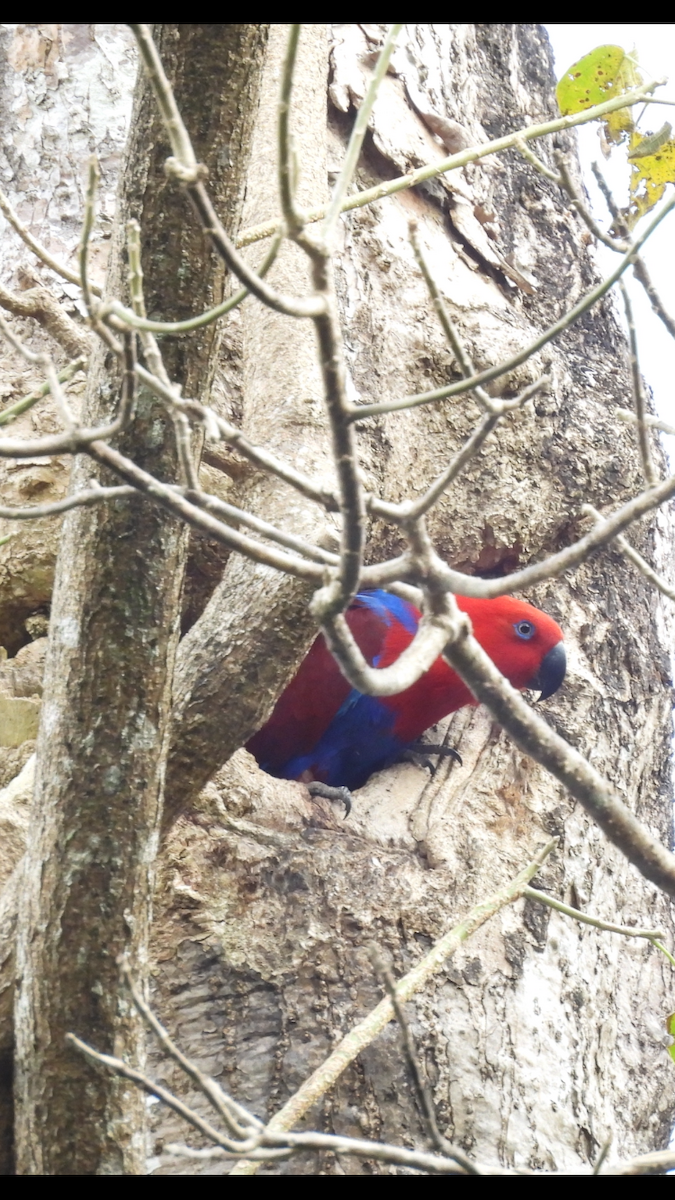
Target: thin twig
{"points": [[183, 165], [179, 137], [618, 246], [624, 414], [9, 414], [116, 309], [119, 1067], [454, 161], [604, 1151], [359, 130], [335, 599], [469, 450], [642, 275], [465, 365], [637, 559], [638, 391], [423, 1094], [529, 154], [38, 304], [230, 512], [37, 247], [359, 1147], [587, 919], [78, 500], [293, 218], [173, 501], [370, 1026], [87, 226], [587, 302], [239, 1120]]}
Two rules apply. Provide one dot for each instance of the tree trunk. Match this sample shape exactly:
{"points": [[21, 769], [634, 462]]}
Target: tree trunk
{"points": [[536, 1038], [115, 621], [541, 1037]]}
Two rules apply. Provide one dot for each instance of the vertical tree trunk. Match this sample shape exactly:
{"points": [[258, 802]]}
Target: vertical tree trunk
{"points": [[541, 1037], [114, 629]]}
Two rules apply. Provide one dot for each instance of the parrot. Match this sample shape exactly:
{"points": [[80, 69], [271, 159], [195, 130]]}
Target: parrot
{"points": [[323, 732]]}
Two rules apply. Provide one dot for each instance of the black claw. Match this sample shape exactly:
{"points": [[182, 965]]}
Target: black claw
{"points": [[341, 794], [444, 751]]}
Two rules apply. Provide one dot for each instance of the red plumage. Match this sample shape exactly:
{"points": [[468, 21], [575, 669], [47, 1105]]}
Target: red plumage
{"points": [[322, 729]]}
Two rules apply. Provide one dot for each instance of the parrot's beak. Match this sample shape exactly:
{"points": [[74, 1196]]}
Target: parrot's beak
{"points": [[551, 672]]}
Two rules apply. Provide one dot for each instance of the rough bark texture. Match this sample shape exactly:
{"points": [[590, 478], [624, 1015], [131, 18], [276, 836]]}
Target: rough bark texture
{"points": [[114, 628], [233, 663], [541, 1036]]}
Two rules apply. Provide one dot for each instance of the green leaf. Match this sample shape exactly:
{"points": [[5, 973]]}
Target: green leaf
{"points": [[601, 75]]}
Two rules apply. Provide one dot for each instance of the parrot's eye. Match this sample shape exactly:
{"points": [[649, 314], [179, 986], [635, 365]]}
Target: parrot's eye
{"points": [[525, 630]]}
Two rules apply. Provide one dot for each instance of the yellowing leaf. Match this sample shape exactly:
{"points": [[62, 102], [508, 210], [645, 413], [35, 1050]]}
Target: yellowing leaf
{"points": [[649, 175], [601, 75], [652, 142]]}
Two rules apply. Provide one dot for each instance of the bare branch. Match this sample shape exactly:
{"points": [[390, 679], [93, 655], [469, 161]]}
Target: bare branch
{"points": [[179, 137], [638, 391], [116, 309], [465, 364], [37, 247], [433, 633], [231, 1112], [184, 167], [586, 919], [642, 275], [9, 414], [176, 503], [470, 448], [231, 513], [358, 133], [352, 502], [637, 559], [423, 1094], [545, 746], [287, 164], [87, 226], [470, 585], [366, 1030], [587, 302], [118, 1067], [359, 1147], [462, 159], [529, 154], [79, 500], [42, 307], [290, 307], [618, 246], [624, 414], [659, 1162]]}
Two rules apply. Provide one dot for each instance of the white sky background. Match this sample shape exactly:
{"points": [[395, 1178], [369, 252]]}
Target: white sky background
{"points": [[655, 45]]}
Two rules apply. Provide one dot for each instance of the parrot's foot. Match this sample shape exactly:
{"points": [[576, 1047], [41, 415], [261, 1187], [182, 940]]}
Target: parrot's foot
{"points": [[417, 752], [341, 794]]}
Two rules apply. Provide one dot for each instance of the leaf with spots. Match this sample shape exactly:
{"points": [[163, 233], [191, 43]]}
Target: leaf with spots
{"points": [[649, 174], [601, 75]]}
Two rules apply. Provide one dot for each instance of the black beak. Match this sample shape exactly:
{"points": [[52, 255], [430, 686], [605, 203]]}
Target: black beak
{"points": [[551, 672]]}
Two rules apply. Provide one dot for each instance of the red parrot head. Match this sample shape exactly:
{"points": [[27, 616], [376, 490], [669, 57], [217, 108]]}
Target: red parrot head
{"points": [[525, 644]]}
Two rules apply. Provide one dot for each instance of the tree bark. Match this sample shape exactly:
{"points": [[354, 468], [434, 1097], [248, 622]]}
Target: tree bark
{"points": [[533, 1035], [541, 1036], [114, 629]]}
